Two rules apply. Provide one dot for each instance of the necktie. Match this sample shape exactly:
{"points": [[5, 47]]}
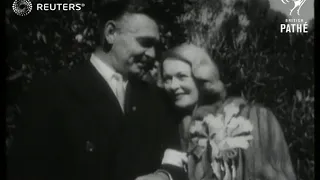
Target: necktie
{"points": [[119, 89]]}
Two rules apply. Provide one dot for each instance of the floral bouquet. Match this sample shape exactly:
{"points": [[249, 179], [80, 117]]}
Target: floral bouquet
{"points": [[216, 138]]}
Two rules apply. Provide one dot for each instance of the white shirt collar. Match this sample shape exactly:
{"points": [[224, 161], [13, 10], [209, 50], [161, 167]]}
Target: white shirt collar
{"points": [[105, 70]]}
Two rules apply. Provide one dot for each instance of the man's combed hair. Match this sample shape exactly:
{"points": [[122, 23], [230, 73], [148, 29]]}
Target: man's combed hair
{"points": [[116, 9], [112, 10]]}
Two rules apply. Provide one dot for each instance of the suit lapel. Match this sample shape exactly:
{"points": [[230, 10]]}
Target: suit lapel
{"points": [[92, 88], [128, 102], [94, 93], [135, 96], [97, 88]]}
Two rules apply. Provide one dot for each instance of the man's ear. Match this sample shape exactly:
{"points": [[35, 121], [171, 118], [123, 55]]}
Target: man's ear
{"points": [[110, 31]]}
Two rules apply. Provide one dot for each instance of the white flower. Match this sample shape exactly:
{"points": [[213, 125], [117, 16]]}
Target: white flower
{"points": [[214, 149], [225, 132], [230, 110], [215, 123], [196, 127], [238, 126], [235, 142], [229, 132]]}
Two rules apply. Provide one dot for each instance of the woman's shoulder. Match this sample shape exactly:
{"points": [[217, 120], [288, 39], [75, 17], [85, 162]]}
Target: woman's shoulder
{"points": [[234, 101], [252, 111], [223, 106], [236, 106], [243, 104], [262, 118]]}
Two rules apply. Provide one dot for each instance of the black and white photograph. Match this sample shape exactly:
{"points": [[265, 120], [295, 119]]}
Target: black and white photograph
{"points": [[159, 89]]}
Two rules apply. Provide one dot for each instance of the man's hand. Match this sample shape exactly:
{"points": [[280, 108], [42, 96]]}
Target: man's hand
{"points": [[154, 176]]}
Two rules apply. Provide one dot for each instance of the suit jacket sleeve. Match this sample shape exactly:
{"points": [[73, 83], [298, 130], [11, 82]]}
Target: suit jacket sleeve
{"points": [[34, 153], [169, 130], [269, 157]]}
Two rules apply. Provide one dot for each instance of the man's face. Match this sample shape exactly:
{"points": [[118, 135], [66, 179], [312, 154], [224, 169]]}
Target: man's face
{"points": [[134, 45]]}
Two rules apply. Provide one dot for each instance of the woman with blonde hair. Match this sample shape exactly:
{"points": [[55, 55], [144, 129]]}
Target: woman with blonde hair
{"points": [[224, 137]]}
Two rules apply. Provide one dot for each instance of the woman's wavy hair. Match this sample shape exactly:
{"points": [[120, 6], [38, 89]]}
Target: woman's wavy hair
{"points": [[204, 70]]}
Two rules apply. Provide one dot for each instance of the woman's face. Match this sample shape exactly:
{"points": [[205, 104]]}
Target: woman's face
{"points": [[179, 83]]}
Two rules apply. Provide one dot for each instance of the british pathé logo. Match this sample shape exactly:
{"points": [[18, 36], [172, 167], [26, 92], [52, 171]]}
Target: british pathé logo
{"points": [[297, 5], [294, 25]]}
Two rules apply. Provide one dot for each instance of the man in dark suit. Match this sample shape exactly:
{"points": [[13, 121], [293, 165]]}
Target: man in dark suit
{"points": [[99, 121]]}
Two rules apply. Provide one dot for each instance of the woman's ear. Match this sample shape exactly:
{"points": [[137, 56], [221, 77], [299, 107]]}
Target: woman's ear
{"points": [[110, 32]]}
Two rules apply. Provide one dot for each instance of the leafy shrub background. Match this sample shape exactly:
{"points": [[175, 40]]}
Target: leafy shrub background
{"points": [[256, 61]]}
